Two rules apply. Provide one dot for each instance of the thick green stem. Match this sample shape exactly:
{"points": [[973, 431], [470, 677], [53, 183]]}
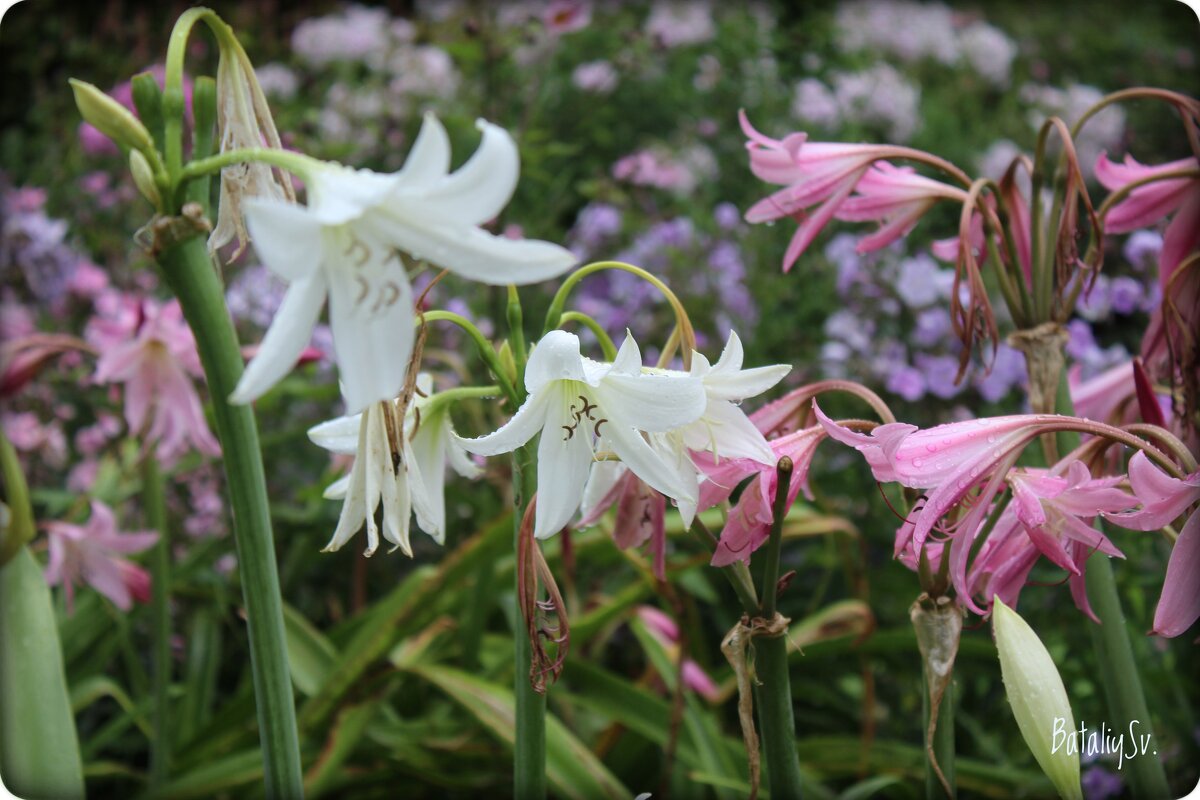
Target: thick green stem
{"points": [[1118, 672], [1119, 677], [775, 719], [154, 504], [774, 690], [529, 747], [191, 276], [943, 743]]}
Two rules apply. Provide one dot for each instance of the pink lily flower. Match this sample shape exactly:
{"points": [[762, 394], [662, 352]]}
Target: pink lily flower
{"points": [[897, 197], [1162, 497], [150, 349], [1179, 605], [663, 628], [1050, 515], [92, 553], [640, 509], [749, 523], [819, 174]]}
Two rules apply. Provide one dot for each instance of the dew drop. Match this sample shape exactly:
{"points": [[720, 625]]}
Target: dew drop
{"points": [[933, 448], [917, 463]]}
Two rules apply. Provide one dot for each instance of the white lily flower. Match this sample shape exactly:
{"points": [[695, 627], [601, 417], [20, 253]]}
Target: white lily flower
{"points": [[402, 465], [583, 407], [351, 241], [723, 429]]}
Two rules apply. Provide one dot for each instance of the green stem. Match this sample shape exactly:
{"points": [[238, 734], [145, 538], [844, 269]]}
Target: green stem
{"points": [[774, 691], [154, 504], [606, 343], [1118, 672], [1119, 676], [943, 742], [16, 495], [190, 273], [486, 351], [296, 163], [529, 747], [737, 573]]}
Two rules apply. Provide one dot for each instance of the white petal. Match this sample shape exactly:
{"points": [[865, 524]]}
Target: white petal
{"points": [[429, 158], [727, 432], [636, 454], [371, 315], [604, 477], [744, 383], [338, 489], [423, 501], [564, 460], [479, 189], [555, 358], [397, 505], [522, 427], [337, 435], [286, 236], [338, 194], [460, 461], [651, 402], [629, 357], [428, 449], [377, 474], [287, 337], [470, 251], [732, 356], [354, 509]]}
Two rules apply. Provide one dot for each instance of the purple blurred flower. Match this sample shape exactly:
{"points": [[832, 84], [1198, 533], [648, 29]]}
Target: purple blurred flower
{"points": [[939, 372], [1095, 304], [933, 327], [727, 216], [917, 283], [1008, 370], [908, 382], [1100, 784], [672, 24], [1142, 249], [1125, 295], [599, 77]]}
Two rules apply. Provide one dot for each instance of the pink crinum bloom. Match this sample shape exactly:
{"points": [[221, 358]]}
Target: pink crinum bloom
{"points": [[812, 173], [149, 348], [1151, 202], [640, 510], [664, 629], [1050, 515], [92, 553], [895, 196]]}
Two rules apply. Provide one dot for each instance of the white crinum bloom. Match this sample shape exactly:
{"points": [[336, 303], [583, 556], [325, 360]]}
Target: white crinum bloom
{"points": [[584, 407], [723, 429], [350, 243], [405, 470]]}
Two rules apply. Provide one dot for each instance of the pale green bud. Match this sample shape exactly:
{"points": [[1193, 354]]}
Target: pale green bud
{"points": [[1038, 699], [507, 361], [143, 178], [110, 117]]}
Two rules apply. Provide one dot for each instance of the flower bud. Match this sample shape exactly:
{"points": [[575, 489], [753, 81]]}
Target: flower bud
{"points": [[110, 117], [143, 178], [1038, 699], [507, 361]]}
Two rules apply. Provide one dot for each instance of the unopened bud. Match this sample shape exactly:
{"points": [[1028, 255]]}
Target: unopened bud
{"points": [[508, 362], [110, 117], [1038, 699], [143, 178]]}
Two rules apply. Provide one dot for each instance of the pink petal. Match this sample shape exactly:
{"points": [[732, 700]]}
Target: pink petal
{"points": [[1179, 606]]}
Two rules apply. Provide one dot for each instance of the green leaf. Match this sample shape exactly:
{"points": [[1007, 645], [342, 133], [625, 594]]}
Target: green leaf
{"points": [[311, 656], [39, 749], [345, 735], [571, 768], [89, 690], [215, 777]]}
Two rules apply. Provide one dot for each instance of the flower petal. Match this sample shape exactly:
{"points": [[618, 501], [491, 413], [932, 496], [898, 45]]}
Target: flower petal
{"points": [[564, 461], [555, 358], [429, 158], [651, 403], [286, 236], [337, 435], [648, 465], [372, 322], [1179, 606], [286, 339], [523, 426], [479, 189]]}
